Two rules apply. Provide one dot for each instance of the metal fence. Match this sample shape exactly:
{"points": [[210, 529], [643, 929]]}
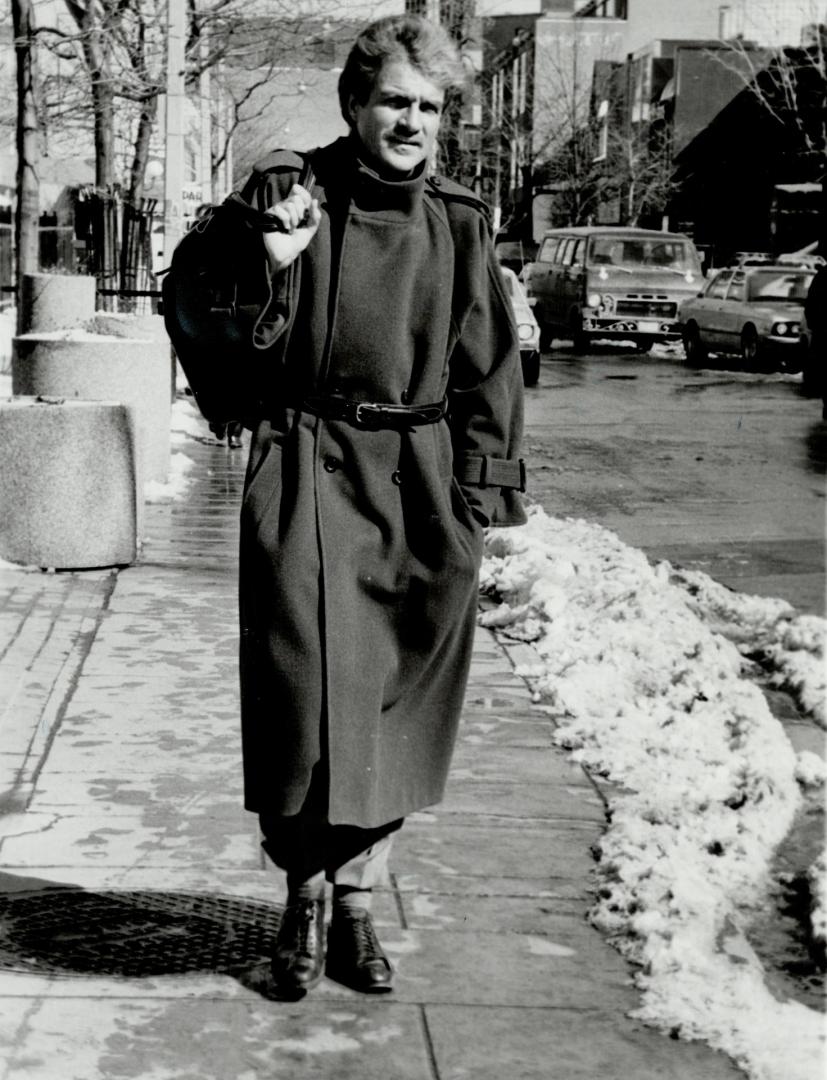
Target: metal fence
{"points": [[100, 234]]}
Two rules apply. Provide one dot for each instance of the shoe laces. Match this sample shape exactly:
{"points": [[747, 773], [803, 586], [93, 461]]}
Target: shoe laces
{"points": [[364, 937]]}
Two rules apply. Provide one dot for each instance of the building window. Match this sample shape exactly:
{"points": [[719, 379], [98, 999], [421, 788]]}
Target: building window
{"points": [[602, 132], [497, 99], [604, 9], [726, 23], [642, 89], [523, 84]]}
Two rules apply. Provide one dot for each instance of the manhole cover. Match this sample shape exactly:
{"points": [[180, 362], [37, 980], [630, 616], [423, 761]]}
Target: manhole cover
{"points": [[74, 931]]}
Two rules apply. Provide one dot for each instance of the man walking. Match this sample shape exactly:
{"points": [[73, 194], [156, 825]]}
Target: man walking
{"points": [[389, 441]]}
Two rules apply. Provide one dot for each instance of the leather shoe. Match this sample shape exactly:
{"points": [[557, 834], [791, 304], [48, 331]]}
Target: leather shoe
{"points": [[298, 955], [354, 955]]}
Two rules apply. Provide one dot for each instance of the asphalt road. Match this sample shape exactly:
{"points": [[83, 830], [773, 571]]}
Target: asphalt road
{"points": [[716, 469]]}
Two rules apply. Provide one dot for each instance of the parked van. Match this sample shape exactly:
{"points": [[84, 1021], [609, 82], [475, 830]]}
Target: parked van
{"points": [[612, 282]]}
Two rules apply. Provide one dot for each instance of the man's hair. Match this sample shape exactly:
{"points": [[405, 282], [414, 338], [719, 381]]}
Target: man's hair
{"points": [[425, 45]]}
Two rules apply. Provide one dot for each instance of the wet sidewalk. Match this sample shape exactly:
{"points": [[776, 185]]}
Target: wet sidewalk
{"points": [[136, 909]]}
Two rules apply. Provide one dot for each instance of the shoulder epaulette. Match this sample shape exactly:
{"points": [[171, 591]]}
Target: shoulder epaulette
{"points": [[441, 187], [280, 161]]}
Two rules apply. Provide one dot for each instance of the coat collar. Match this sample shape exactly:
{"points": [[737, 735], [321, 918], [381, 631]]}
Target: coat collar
{"points": [[370, 192]]}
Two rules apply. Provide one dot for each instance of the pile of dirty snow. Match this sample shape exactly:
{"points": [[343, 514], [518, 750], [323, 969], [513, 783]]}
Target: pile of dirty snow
{"points": [[789, 646], [186, 422], [644, 691]]}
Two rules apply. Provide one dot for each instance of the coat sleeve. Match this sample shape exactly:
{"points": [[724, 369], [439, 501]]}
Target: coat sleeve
{"points": [[268, 183], [485, 388]]}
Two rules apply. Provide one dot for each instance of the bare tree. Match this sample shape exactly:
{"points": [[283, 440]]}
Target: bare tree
{"points": [[638, 173], [541, 136], [119, 47], [788, 84]]}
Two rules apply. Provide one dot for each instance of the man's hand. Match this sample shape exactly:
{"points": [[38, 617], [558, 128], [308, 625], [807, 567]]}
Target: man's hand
{"points": [[298, 216]]}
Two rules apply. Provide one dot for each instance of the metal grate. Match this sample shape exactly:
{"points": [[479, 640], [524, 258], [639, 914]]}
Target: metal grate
{"points": [[133, 934]]}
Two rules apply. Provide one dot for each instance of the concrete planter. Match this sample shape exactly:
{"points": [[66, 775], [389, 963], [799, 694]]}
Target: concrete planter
{"points": [[56, 301], [77, 364], [68, 484]]}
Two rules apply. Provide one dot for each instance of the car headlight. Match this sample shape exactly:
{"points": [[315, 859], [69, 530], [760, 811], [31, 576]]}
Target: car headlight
{"points": [[782, 329], [525, 331], [594, 299]]}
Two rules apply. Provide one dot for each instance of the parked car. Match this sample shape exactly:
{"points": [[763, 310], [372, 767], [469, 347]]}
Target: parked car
{"points": [[612, 282], [514, 254], [812, 346], [527, 328], [755, 311]]}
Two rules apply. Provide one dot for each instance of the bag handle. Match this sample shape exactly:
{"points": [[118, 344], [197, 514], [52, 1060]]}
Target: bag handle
{"points": [[307, 178]]}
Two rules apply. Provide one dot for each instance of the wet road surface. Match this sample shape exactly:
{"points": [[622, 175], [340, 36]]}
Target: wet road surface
{"points": [[717, 470]]}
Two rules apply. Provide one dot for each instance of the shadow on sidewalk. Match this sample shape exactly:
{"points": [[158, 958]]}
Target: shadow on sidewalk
{"points": [[51, 929]]}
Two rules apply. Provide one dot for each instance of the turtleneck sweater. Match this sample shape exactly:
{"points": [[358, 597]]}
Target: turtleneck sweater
{"points": [[388, 311]]}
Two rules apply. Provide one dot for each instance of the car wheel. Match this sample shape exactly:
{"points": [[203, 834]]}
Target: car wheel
{"points": [[579, 337], [531, 367], [796, 360], [809, 378], [749, 346], [693, 346]]}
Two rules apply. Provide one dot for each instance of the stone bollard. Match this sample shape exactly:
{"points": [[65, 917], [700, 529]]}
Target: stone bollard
{"points": [[87, 365], [55, 301], [68, 484], [68, 350]]}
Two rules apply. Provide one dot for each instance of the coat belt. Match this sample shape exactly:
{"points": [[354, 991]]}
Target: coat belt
{"points": [[374, 415]]}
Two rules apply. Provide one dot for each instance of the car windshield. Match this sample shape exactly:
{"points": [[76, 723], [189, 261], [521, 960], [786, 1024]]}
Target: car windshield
{"points": [[764, 285], [631, 253]]}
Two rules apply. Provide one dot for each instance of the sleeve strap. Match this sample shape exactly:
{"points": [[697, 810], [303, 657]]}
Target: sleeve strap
{"points": [[483, 470]]}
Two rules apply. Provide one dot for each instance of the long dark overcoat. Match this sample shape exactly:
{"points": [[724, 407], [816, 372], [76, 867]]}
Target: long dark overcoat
{"points": [[360, 548]]}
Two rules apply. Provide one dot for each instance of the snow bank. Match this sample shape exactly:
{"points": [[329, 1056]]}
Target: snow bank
{"points": [[186, 420], [8, 327], [818, 891], [156, 491], [643, 691], [790, 647]]}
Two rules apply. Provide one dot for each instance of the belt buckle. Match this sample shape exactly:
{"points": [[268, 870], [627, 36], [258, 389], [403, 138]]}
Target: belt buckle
{"points": [[362, 412]]}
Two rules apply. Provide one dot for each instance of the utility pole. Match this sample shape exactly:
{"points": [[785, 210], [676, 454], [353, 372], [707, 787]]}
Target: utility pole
{"points": [[28, 189], [204, 91], [175, 104]]}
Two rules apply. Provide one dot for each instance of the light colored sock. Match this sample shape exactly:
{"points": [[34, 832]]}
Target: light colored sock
{"points": [[350, 901], [311, 888]]}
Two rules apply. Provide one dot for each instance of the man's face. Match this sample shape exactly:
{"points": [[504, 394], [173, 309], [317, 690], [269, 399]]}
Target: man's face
{"points": [[398, 124]]}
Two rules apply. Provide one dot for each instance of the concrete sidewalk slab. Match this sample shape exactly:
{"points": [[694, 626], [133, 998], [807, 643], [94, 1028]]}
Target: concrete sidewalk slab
{"points": [[137, 909]]}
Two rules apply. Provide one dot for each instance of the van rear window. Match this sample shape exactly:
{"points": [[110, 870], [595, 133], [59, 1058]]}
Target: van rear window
{"points": [[634, 252]]}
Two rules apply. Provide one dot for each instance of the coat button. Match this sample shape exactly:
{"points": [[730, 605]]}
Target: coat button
{"points": [[396, 477], [330, 464]]}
